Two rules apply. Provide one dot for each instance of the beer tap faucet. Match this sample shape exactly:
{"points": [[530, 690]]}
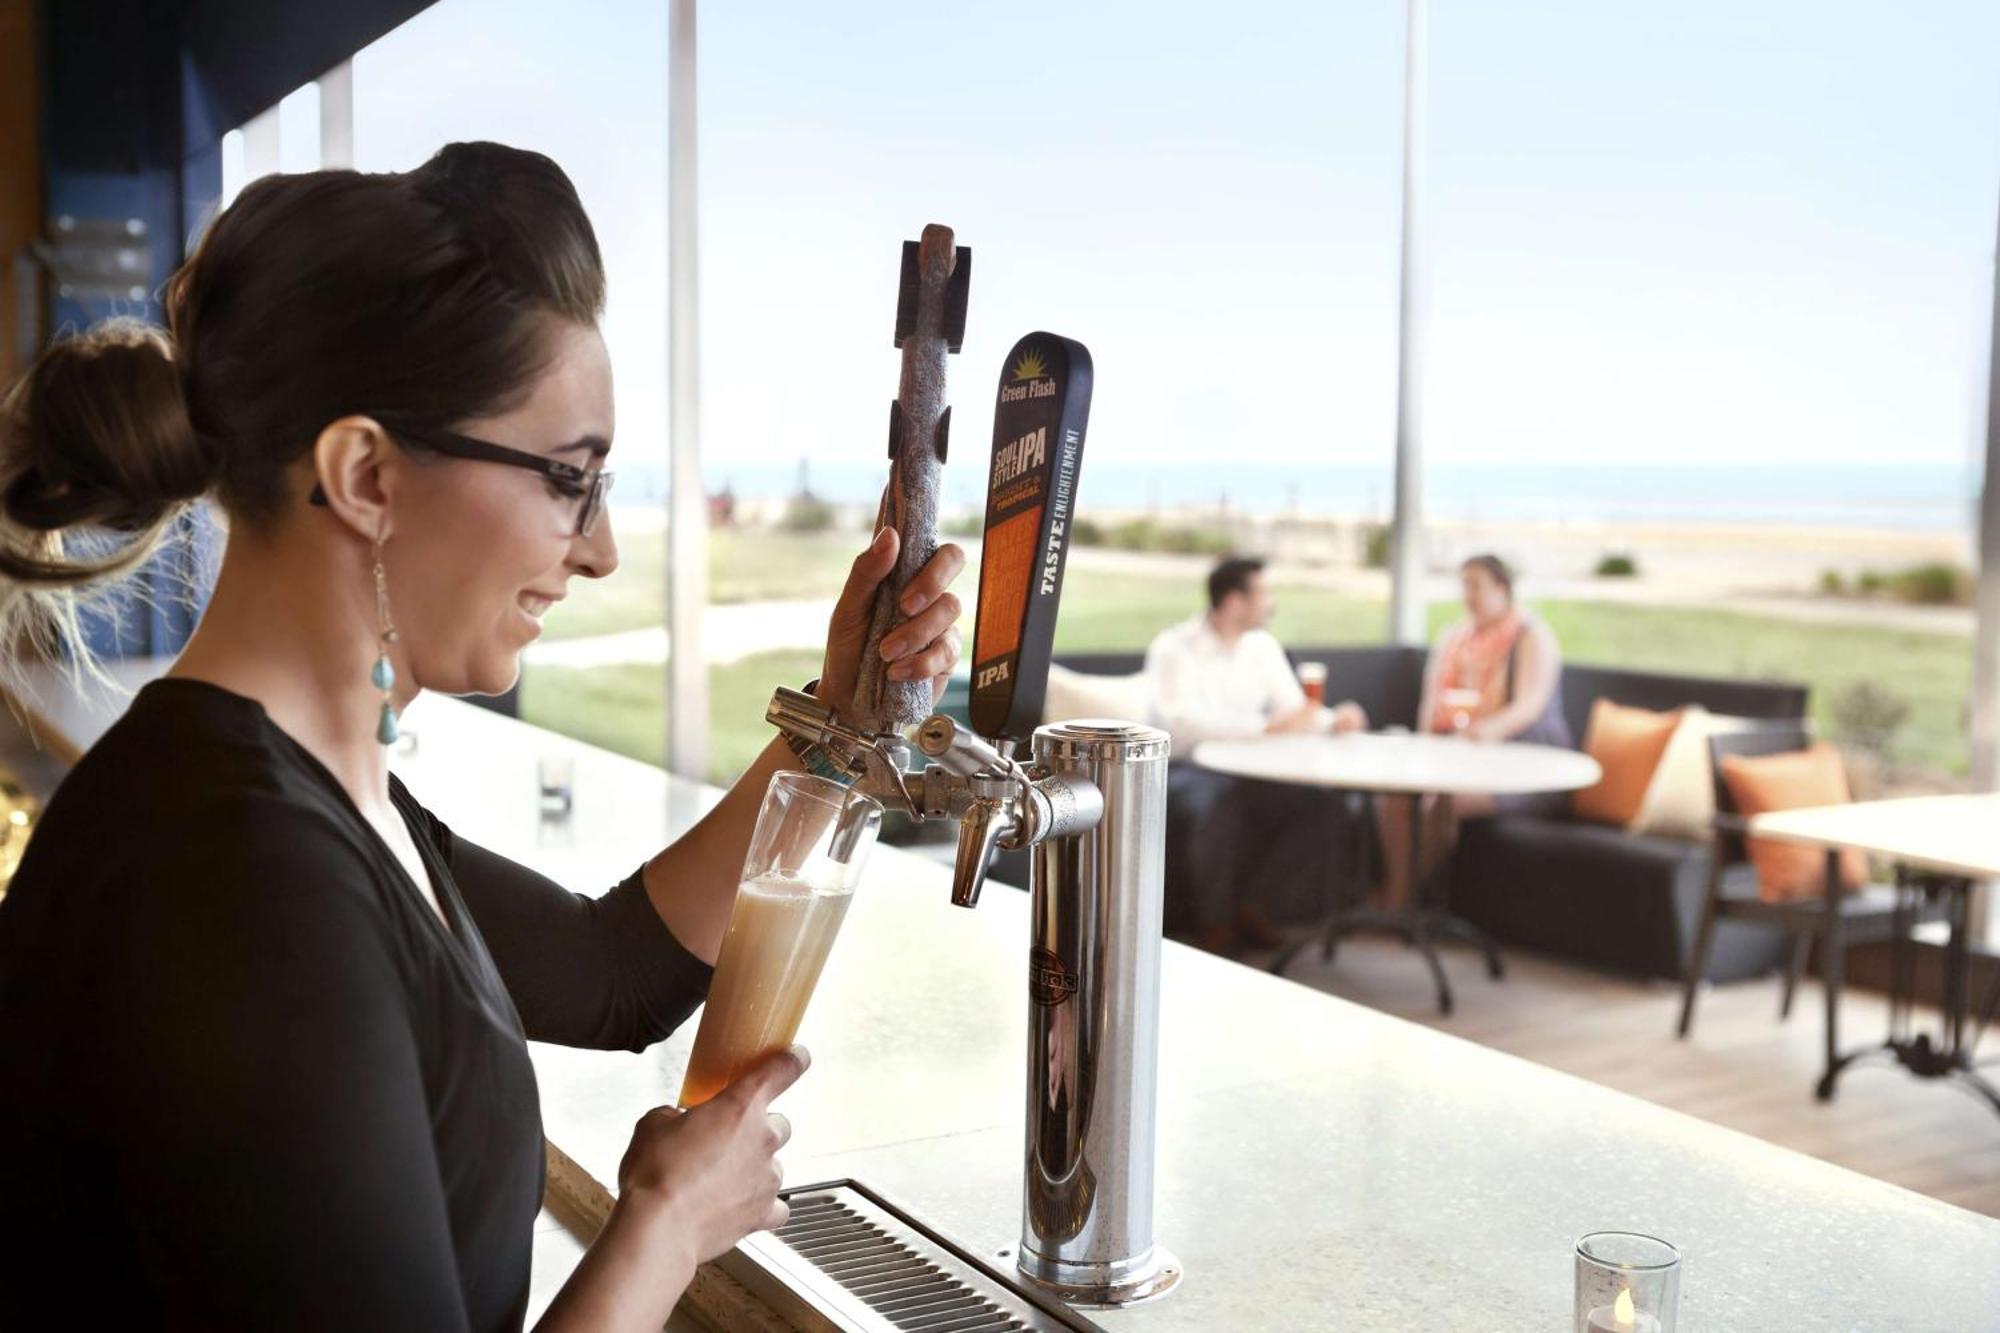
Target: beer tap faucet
{"points": [[998, 798], [1090, 803], [997, 802]]}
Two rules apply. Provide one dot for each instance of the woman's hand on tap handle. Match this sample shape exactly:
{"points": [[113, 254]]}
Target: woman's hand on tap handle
{"points": [[925, 644]]}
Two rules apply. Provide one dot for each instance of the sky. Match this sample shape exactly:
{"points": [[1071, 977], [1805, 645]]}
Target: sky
{"points": [[1712, 232]]}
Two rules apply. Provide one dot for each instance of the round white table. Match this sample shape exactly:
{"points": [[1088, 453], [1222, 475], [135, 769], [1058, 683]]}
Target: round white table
{"points": [[1405, 764]]}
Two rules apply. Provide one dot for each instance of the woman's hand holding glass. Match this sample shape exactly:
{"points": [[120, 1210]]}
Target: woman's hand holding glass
{"points": [[715, 1169]]}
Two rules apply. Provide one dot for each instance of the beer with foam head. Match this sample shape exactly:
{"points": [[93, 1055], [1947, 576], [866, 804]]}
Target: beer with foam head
{"points": [[780, 933], [1312, 679], [805, 855]]}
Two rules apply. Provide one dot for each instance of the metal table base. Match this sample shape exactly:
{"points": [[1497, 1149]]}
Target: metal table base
{"points": [[1422, 923], [1950, 1052]]}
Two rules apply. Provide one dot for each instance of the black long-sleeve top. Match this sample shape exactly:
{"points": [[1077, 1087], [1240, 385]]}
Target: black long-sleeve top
{"points": [[248, 1079]]}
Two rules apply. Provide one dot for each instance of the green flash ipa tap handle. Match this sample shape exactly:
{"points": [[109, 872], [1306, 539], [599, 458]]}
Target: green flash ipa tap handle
{"points": [[1039, 418], [930, 323]]}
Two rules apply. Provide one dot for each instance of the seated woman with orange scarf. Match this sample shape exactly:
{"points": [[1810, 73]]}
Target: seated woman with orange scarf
{"points": [[1494, 676]]}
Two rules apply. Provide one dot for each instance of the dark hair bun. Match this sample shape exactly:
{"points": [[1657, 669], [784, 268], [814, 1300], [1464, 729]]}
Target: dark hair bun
{"points": [[99, 436], [521, 212]]}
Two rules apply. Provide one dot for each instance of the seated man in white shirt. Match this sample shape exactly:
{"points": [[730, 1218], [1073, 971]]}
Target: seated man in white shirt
{"points": [[1222, 676]]}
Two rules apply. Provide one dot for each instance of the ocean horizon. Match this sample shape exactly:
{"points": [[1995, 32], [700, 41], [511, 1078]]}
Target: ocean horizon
{"points": [[1916, 497]]}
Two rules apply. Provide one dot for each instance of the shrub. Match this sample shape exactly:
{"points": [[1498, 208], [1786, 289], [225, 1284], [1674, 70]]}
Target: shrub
{"points": [[1135, 534], [1087, 532], [1375, 546], [1143, 534], [1868, 716], [965, 525], [807, 513], [1831, 583], [1935, 584], [1618, 566], [1195, 541]]}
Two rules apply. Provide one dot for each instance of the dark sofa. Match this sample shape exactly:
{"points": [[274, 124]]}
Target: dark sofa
{"points": [[1602, 896], [1576, 890]]}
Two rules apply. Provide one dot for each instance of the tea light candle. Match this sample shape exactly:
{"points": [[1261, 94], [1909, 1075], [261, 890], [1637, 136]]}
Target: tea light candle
{"points": [[1636, 1276], [1621, 1317]]}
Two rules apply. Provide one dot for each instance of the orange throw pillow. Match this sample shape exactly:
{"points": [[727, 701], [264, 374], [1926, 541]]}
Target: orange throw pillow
{"points": [[1627, 744], [1792, 780]]}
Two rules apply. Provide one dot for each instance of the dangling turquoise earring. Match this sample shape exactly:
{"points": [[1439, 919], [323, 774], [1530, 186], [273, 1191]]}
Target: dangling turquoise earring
{"points": [[383, 676]]}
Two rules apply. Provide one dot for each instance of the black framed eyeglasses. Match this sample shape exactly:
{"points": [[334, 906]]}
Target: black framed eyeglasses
{"points": [[588, 486]]}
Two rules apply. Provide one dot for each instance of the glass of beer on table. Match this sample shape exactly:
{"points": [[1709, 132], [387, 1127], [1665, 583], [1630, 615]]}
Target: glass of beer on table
{"points": [[1463, 705], [1312, 679], [811, 839]]}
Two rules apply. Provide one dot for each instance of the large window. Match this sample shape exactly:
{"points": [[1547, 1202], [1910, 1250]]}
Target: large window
{"points": [[1704, 284], [1209, 205], [1708, 291]]}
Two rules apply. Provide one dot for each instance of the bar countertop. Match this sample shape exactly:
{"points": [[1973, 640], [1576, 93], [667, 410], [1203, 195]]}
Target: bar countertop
{"points": [[1321, 1165]]}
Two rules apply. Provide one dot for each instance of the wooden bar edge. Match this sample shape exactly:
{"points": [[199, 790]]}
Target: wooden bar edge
{"points": [[713, 1301]]}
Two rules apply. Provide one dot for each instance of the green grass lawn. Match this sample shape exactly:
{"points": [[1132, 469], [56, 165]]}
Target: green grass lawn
{"points": [[1101, 611], [743, 566], [1930, 672], [620, 707], [1109, 612]]}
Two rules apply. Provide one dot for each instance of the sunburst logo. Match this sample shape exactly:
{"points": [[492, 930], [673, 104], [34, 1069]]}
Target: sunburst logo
{"points": [[1031, 366]]}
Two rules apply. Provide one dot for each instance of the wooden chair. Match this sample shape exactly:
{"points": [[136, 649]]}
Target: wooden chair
{"points": [[1834, 920]]}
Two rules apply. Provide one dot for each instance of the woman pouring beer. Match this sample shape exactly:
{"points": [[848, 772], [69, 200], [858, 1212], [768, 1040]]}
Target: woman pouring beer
{"points": [[262, 1016]]}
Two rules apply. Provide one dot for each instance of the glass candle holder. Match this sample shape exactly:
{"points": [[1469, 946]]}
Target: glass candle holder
{"points": [[1626, 1283], [555, 781]]}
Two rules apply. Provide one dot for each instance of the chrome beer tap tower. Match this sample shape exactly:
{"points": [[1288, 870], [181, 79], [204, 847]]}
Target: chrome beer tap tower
{"points": [[1090, 806]]}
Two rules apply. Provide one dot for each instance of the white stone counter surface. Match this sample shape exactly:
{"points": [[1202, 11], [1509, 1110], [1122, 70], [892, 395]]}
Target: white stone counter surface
{"points": [[1321, 1166]]}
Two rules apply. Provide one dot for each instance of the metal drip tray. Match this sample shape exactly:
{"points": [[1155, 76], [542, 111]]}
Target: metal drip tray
{"points": [[849, 1260]]}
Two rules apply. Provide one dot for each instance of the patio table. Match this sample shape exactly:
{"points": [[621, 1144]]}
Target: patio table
{"points": [[1405, 764], [1942, 847]]}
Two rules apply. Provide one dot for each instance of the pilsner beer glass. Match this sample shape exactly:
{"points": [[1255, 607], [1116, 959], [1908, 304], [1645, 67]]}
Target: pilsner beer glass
{"points": [[1312, 679], [811, 838], [1464, 706]]}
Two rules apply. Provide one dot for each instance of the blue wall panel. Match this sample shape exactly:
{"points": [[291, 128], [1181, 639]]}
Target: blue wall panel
{"points": [[137, 95]]}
